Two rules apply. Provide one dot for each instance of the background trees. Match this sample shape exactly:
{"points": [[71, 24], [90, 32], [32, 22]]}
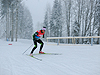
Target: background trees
{"points": [[15, 20], [75, 18], [66, 18]]}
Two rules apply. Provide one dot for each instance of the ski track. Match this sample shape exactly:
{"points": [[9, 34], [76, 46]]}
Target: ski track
{"points": [[75, 60]]}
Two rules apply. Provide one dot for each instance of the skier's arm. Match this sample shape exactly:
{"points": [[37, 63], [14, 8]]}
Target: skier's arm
{"points": [[43, 36], [35, 34]]}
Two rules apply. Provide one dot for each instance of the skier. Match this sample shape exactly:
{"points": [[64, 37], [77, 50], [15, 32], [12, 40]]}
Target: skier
{"points": [[36, 38]]}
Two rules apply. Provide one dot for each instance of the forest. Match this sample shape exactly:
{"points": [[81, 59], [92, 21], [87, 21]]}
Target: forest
{"points": [[73, 18], [66, 18], [15, 20]]}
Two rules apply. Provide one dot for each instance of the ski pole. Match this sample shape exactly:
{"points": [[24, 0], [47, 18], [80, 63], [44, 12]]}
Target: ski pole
{"points": [[27, 49]]}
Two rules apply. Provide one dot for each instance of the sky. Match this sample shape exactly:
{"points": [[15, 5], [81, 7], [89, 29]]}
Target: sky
{"points": [[37, 9]]}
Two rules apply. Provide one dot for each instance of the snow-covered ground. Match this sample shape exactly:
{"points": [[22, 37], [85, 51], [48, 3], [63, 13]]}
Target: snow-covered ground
{"points": [[75, 60]]}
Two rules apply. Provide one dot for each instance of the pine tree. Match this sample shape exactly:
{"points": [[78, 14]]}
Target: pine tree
{"points": [[56, 19], [46, 24], [17, 24], [25, 28], [47, 21], [97, 17]]}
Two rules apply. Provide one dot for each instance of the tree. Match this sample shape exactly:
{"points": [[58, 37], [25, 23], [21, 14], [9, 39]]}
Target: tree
{"points": [[47, 20], [81, 18], [97, 20], [76, 30], [25, 28], [5, 12], [46, 23], [56, 19], [16, 19], [68, 5]]}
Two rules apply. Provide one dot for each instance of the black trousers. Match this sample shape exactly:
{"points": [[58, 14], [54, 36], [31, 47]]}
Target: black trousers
{"points": [[35, 45]]}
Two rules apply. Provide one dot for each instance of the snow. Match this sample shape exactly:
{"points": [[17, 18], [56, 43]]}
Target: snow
{"points": [[75, 60]]}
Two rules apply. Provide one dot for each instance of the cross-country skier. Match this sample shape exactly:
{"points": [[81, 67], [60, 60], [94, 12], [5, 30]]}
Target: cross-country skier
{"points": [[36, 38]]}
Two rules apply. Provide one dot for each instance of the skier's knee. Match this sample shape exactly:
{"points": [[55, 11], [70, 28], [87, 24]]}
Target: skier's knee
{"points": [[35, 46], [42, 43]]}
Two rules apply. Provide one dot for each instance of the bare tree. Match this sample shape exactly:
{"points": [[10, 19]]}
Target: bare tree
{"points": [[17, 19], [68, 16], [12, 31]]}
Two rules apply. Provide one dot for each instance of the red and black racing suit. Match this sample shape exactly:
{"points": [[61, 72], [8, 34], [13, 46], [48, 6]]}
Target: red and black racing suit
{"points": [[36, 38]]}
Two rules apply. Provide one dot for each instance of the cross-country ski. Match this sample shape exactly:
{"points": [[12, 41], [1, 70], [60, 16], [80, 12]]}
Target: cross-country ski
{"points": [[35, 57], [48, 54]]}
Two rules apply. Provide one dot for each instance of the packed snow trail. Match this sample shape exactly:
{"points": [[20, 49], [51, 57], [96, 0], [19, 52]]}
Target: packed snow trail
{"points": [[75, 60]]}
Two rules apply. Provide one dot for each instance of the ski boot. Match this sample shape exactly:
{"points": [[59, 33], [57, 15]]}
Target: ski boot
{"points": [[40, 52], [31, 54]]}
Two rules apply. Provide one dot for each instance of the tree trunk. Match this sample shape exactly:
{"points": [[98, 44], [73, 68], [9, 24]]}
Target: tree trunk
{"points": [[16, 20], [7, 26], [12, 31]]}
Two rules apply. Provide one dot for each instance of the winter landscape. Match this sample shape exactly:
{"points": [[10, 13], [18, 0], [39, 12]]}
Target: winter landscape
{"points": [[74, 60], [75, 22]]}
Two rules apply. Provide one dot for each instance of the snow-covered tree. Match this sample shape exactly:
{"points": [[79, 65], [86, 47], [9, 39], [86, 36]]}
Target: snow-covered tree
{"points": [[25, 28], [96, 22], [56, 19], [17, 23], [47, 20], [68, 6], [79, 18]]}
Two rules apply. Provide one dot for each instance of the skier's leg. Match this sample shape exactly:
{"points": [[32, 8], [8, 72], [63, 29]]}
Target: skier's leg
{"points": [[35, 46], [40, 42]]}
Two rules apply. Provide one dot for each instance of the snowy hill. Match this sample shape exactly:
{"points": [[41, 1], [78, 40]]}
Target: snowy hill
{"points": [[75, 60]]}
